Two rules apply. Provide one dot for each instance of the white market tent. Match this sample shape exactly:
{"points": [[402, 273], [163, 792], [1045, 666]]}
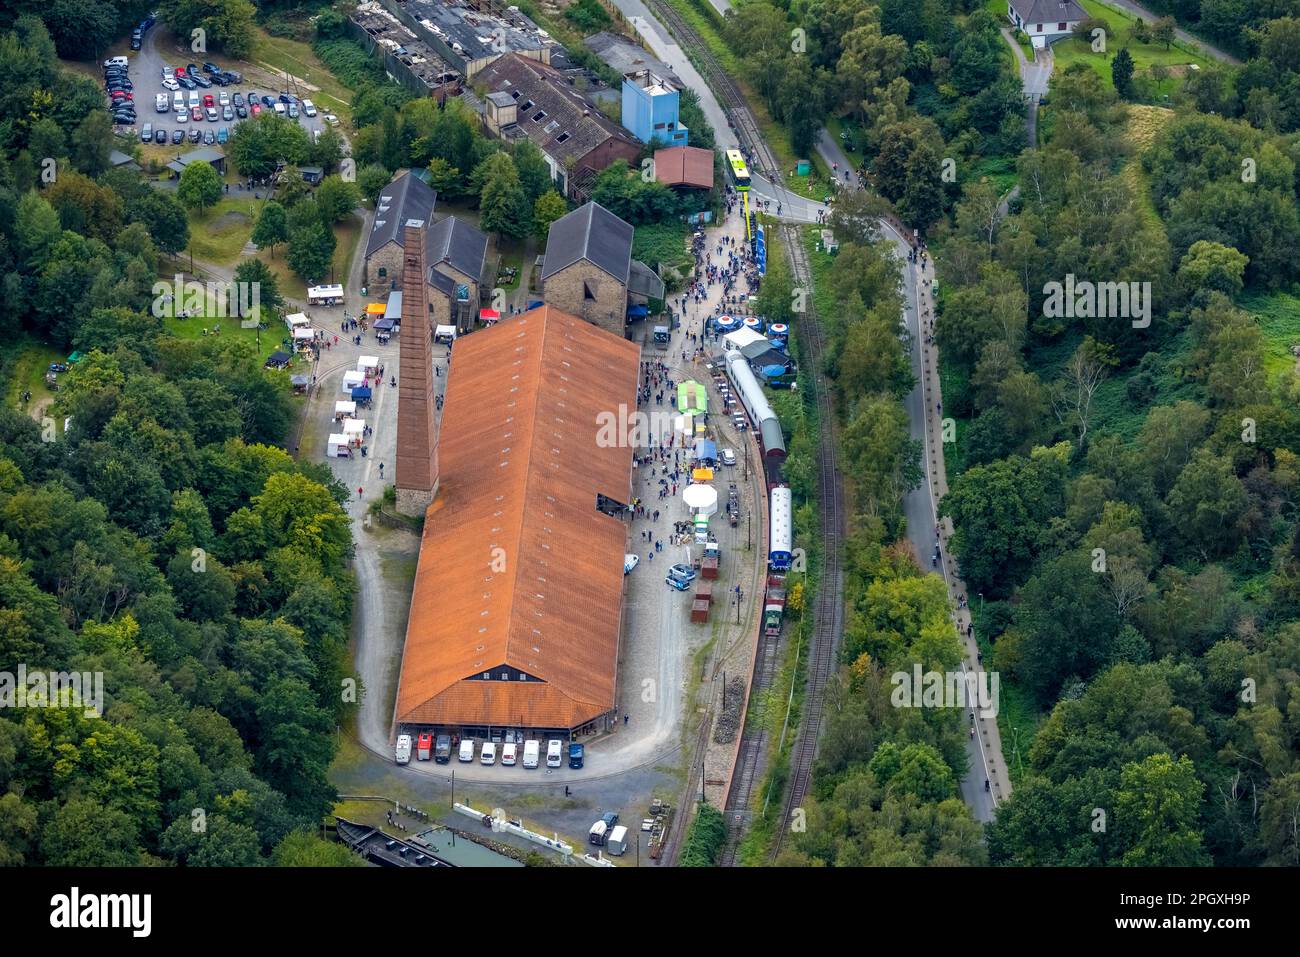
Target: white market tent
{"points": [[444, 333], [741, 338], [304, 334], [345, 408], [354, 426], [701, 499], [367, 364], [338, 446], [296, 320], [353, 380]]}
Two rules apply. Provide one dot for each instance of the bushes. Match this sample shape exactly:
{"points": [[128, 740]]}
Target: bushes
{"points": [[705, 839]]}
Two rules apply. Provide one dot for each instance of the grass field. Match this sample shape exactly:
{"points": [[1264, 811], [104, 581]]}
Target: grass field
{"points": [[1176, 59], [25, 368], [1278, 315], [282, 56], [218, 235]]}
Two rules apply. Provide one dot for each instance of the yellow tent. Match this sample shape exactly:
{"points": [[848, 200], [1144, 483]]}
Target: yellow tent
{"points": [[703, 474]]}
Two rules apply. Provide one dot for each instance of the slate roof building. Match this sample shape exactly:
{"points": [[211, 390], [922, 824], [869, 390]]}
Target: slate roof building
{"points": [[1045, 21], [457, 257], [406, 197], [588, 269], [525, 528], [525, 98]]}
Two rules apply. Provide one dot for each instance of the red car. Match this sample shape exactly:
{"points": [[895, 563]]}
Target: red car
{"points": [[196, 114], [208, 101], [424, 747], [180, 72], [255, 108]]}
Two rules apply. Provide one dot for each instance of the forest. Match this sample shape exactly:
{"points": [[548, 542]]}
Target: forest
{"points": [[165, 541]]}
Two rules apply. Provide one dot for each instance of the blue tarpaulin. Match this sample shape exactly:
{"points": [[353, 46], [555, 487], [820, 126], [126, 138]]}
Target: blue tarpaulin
{"points": [[637, 312], [706, 450], [534, 303], [360, 392]]}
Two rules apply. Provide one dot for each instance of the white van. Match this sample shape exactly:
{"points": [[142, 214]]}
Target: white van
{"points": [[178, 101], [554, 748], [160, 103], [489, 755], [402, 753], [597, 833], [467, 750], [115, 61], [508, 751], [309, 107], [193, 99], [531, 749], [280, 109]]}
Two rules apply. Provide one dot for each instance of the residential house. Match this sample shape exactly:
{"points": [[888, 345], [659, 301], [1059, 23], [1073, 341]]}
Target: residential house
{"points": [[1045, 21]]}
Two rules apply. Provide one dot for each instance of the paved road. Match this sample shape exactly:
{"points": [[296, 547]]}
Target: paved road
{"points": [[920, 504], [1034, 76], [1149, 16]]}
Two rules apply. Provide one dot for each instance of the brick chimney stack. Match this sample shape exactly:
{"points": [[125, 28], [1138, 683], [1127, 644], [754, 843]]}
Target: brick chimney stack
{"points": [[417, 435]]}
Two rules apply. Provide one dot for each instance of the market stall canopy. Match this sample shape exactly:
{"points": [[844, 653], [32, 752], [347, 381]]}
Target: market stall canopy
{"points": [[703, 499], [345, 407], [304, 333], [297, 319], [278, 360], [352, 379], [692, 399], [385, 325], [361, 393], [742, 338], [706, 450], [727, 322], [702, 475], [367, 363], [444, 332], [376, 309], [489, 315], [354, 427]]}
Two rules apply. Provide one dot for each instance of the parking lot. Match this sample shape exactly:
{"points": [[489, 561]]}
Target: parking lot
{"points": [[161, 50]]}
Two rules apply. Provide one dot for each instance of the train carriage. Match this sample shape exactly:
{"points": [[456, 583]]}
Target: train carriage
{"points": [[780, 518], [766, 425]]}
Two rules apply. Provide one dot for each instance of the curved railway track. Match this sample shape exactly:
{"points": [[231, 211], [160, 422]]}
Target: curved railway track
{"points": [[828, 616]]}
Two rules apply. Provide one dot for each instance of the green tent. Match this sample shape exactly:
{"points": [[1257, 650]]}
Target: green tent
{"points": [[692, 399]]}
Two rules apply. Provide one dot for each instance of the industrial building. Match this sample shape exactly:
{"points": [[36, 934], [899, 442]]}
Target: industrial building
{"points": [[407, 59], [650, 109], [406, 197], [470, 34], [527, 525], [524, 98]]}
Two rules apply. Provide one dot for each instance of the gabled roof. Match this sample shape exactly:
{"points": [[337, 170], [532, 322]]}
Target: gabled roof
{"points": [[684, 166], [458, 244], [593, 233], [569, 126], [514, 543], [406, 197], [1048, 11]]}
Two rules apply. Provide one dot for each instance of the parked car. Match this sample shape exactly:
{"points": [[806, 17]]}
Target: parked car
{"points": [[211, 113], [178, 137], [682, 571], [160, 135], [208, 100], [268, 101], [286, 99], [309, 107], [680, 584], [196, 114], [554, 751], [630, 562], [241, 112], [576, 754], [161, 103], [186, 82], [728, 457], [509, 752], [489, 755], [196, 136], [223, 135], [227, 113], [182, 115], [146, 133], [293, 111], [402, 752], [255, 109], [442, 749], [466, 754], [331, 119], [238, 99], [201, 80], [223, 98], [209, 138], [170, 84], [211, 68]]}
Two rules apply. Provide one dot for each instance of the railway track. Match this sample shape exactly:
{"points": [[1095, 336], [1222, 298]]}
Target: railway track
{"points": [[828, 614]]}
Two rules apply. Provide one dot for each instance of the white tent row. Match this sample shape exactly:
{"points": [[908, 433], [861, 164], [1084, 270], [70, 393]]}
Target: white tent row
{"points": [[354, 427], [353, 380], [338, 447], [296, 320], [368, 364], [304, 334], [344, 409]]}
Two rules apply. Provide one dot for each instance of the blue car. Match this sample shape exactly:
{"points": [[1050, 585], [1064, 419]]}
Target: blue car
{"points": [[681, 584]]}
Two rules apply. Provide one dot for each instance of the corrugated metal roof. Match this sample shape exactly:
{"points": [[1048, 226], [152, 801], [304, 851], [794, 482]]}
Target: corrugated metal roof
{"points": [[593, 233], [406, 197], [513, 544]]}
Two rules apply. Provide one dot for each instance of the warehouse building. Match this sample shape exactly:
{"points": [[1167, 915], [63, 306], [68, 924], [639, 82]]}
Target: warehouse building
{"points": [[527, 525]]}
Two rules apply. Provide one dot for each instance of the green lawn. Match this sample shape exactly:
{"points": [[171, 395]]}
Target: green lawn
{"points": [[1278, 315], [1074, 50], [218, 234], [282, 56], [25, 368]]}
